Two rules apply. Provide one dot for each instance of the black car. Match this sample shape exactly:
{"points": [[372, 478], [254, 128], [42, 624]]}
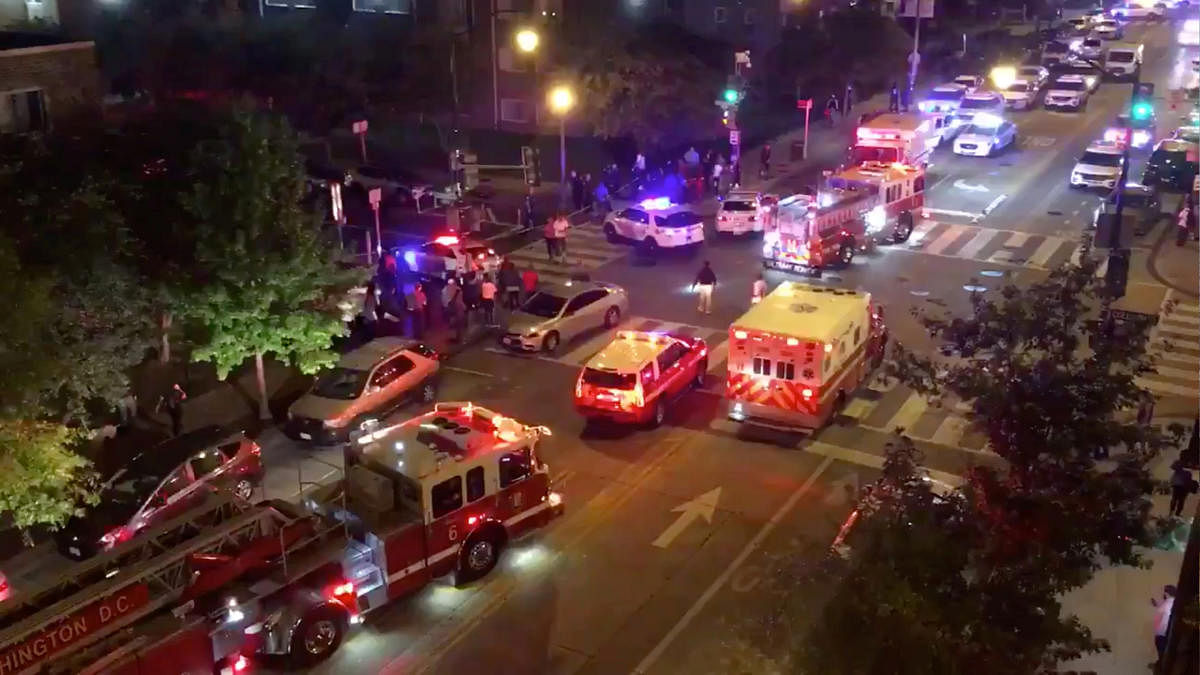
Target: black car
{"points": [[159, 484], [1172, 165], [1141, 208]]}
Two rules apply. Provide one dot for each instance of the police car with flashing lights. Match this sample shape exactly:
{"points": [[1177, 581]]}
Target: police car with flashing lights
{"points": [[1143, 128], [988, 102], [448, 256], [1067, 91], [985, 136], [1099, 166], [655, 223], [943, 98]]}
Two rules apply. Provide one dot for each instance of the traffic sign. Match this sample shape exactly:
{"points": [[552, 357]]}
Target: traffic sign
{"points": [[375, 195], [804, 104], [359, 127], [735, 137]]}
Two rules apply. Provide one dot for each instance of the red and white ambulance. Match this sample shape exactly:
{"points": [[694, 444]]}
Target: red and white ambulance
{"points": [[906, 138], [797, 357]]}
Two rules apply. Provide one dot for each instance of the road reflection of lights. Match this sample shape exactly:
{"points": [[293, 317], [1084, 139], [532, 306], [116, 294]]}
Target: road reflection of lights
{"points": [[445, 598], [970, 288], [531, 558]]}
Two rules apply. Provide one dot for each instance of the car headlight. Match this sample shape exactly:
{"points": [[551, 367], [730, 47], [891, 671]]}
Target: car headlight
{"points": [[532, 333], [334, 423]]}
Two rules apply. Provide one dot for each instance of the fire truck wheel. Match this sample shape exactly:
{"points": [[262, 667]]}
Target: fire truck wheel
{"points": [[846, 254], [612, 317], [659, 414], [610, 233], [550, 342], [478, 558], [318, 636]]}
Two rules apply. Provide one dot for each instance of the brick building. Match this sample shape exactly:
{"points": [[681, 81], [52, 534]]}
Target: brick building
{"points": [[45, 81]]}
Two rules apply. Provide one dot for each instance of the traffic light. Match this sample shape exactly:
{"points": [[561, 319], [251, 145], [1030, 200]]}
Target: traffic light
{"points": [[531, 162], [725, 117], [1117, 274], [731, 95], [1142, 110]]}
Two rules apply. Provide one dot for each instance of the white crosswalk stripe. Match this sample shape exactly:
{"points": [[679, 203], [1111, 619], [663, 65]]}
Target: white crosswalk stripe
{"points": [[1175, 346], [970, 242], [587, 249]]}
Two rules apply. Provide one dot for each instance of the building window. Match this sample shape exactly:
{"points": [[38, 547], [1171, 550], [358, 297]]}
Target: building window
{"points": [[514, 110], [300, 4], [720, 15], [384, 6], [750, 17], [22, 112]]}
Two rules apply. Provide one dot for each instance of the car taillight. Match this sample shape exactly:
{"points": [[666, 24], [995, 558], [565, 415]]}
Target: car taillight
{"points": [[579, 388], [255, 449], [115, 536], [342, 590], [241, 664], [639, 400]]}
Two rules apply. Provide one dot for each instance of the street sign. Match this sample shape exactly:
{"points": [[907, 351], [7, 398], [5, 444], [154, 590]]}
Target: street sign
{"points": [[804, 104], [375, 195], [735, 136], [359, 127]]}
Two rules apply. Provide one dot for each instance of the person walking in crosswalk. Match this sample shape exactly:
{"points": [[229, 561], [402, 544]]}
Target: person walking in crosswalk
{"points": [[706, 281]]}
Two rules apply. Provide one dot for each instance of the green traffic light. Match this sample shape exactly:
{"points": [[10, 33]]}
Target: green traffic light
{"points": [[731, 95], [1142, 111]]}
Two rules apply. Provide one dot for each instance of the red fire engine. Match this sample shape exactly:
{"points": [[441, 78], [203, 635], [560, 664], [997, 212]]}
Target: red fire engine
{"points": [[798, 356], [858, 208], [443, 492]]}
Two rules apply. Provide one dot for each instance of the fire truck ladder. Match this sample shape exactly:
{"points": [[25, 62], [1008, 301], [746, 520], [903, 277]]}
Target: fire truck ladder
{"points": [[160, 559]]}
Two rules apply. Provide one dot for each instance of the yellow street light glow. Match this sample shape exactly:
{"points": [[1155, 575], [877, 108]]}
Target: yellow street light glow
{"points": [[527, 40], [1004, 76], [561, 99]]}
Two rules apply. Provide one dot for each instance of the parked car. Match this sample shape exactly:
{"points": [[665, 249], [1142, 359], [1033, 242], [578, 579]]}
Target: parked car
{"points": [[367, 383], [159, 484], [1172, 165], [559, 312]]}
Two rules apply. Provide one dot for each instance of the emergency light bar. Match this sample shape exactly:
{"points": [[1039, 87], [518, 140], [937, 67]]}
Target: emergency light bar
{"points": [[446, 240], [655, 203]]}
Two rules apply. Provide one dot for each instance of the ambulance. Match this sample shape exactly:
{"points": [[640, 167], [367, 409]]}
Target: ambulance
{"points": [[857, 208], [897, 137], [796, 358]]}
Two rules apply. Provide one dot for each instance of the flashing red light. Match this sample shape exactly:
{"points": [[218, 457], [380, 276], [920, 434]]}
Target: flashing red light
{"points": [[255, 448], [241, 664], [471, 520], [343, 589], [740, 334], [446, 240], [806, 393]]}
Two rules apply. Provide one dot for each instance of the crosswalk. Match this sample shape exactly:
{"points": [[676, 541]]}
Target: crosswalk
{"points": [[1175, 346], [952, 240], [881, 406], [587, 249]]}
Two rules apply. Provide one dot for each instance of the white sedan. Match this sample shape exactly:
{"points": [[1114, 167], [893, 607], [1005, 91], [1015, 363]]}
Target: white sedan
{"points": [[1020, 95], [985, 136], [656, 223], [1135, 11]]}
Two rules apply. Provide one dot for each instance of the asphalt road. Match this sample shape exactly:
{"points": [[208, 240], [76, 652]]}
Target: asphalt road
{"points": [[614, 586]]}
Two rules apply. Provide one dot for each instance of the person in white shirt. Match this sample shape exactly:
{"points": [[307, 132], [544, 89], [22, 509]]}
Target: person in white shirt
{"points": [[758, 290], [1162, 618], [560, 235], [487, 293]]}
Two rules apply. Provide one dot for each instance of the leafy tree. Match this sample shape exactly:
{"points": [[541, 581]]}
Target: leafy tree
{"points": [[263, 282], [42, 480]]}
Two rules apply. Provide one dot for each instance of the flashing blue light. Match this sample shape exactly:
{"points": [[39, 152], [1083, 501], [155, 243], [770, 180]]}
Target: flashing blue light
{"points": [[656, 203], [410, 258]]}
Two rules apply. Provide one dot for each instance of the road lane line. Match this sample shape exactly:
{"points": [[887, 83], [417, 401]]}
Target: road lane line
{"points": [[647, 662], [467, 371], [981, 239], [1045, 250], [948, 237]]}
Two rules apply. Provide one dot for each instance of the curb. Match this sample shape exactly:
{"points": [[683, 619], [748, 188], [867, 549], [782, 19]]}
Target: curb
{"points": [[1158, 276]]}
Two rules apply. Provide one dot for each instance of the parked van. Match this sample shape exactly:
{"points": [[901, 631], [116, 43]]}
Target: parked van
{"points": [[1124, 59]]}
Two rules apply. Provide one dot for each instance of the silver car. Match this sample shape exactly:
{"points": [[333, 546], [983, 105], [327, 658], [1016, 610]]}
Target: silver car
{"points": [[559, 312]]}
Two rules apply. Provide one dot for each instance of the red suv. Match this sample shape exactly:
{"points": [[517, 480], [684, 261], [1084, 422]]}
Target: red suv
{"points": [[635, 377]]}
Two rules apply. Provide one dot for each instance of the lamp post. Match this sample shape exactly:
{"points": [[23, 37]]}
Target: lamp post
{"points": [[527, 41], [561, 100]]}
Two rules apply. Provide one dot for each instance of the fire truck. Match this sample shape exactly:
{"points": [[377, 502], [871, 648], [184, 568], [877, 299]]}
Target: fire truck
{"points": [[227, 581], [856, 209], [897, 137], [798, 356]]}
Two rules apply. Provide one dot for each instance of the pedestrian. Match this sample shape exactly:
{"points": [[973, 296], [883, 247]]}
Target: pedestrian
{"points": [[471, 292], [831, 108], [1182, 485], [705, 281], [639, 163], [735, 172], [510, 284], [848, 99], [527, 217], [414, 300], [529, 280], [370, 312], [1162, 618], [764, 160], [456, 310], [561, 224], [173, 402], [576, 190], [894, 98], [601, 205], [691, 156], [587, 191], [1145, 411], [487, 295], [758, 290], [549, 235], [717, 169]]}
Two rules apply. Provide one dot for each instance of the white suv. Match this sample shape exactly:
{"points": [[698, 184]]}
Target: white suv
{"points": [[1068, 91], [1099, 167], [656, 223], [738, 213]]}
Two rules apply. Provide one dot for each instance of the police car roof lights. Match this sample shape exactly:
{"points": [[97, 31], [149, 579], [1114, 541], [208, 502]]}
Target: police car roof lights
{"points": [[985, 120], [656, 203], [446, 240]]}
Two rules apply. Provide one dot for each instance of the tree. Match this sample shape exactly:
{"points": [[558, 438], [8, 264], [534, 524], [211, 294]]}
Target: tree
{"points": [[43, 481], [263, 283]]}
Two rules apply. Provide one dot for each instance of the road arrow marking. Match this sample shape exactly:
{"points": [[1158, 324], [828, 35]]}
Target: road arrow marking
{"points": [[843, 490], [703, 506], [970, 187]]}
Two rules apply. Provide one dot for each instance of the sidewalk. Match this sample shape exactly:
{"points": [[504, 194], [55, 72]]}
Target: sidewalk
{"points": [[1115, 604], [1176, 266]]}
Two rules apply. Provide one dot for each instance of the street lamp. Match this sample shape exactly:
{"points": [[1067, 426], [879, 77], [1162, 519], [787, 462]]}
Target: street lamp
{"points": [[1003, 76], [527, 40], [561, 100]]}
